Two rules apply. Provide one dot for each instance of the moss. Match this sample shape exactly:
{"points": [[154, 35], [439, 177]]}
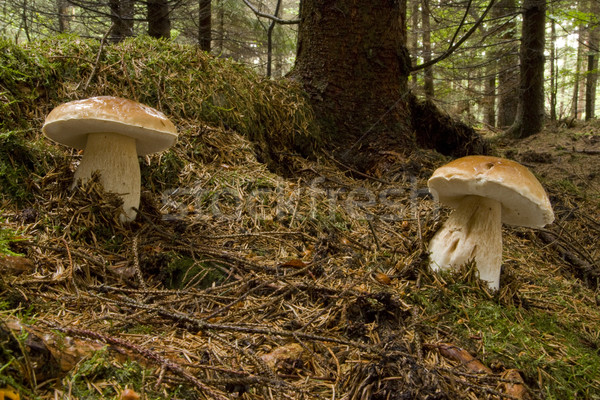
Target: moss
{"points": [[20, 162], [188, 85], [553, 347], [182, 272], [101, 377]]}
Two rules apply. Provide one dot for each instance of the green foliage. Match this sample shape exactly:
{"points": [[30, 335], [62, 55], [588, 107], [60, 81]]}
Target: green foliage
{"points": [[6, 238], [19, 161]]}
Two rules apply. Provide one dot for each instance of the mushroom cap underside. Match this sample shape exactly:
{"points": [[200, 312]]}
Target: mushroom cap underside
{"points": [[71, 122], [523, 199]]}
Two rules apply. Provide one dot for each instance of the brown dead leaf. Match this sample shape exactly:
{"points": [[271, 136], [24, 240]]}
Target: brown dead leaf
{"points": [[289, 352], [517, 388], [65, 350], [122, 269], [382, 278], [462, 356], [295, 263], [129, 394], [16, 264]]}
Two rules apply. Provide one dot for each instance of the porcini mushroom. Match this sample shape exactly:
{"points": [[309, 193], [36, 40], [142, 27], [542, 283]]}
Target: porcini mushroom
{"points": [[112, 131], [484, 192]]}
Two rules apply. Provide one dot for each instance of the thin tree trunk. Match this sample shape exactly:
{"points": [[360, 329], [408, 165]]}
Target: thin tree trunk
{"points": [[553, 72], [220, 25], [508, 78], [590, 86], [530, 114], [270, 40], [592, 70], [205, 25], [428, 72], [413, 35], [25, 21], [489, 99], [578, 88], [63, 15]]}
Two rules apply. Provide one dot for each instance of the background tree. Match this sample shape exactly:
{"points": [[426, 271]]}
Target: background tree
{"points": [[121, 15], [530, 113], [159, 21], [593, 42], [426, 31], [205, 24], [505, 13], [64, 10]]}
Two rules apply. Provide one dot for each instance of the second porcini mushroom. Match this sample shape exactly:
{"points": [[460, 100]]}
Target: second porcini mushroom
{"points": [[484, 192], [112, 131]]}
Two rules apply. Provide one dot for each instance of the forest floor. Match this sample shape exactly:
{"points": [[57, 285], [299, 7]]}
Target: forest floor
{"points": [[240, 282], [562, 154], [259, 287]]}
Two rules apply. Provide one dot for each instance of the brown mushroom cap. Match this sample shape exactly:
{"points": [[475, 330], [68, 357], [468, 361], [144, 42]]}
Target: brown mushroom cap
{"points": [[71, 122], [523, 199]]}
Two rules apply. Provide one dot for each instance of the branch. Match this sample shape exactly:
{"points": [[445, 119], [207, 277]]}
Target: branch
{"points": [[271, 17], [455, 46]]}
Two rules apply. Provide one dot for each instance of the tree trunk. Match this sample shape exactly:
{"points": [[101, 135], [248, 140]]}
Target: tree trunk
{"points": [[428, 72], [270, 40], [508, 78], [590, 85], [205, 25], [592, 70], [220, 26], [122, 19], [530, 114], [575, 111], [159, 22], [553, 72], [64, 16], [413, 36], [489, 99], [352, 61]]}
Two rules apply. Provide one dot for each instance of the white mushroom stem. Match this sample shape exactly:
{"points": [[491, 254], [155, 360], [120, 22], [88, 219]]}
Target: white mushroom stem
{"points": [[472, 232], [115, 157]]}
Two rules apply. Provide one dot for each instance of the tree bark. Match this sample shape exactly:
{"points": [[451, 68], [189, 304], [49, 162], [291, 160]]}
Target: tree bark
{"points": [[489, 89], [413, 36], [122, 19], [159, 22], [592, 70], [508, 78], [270, 40], [220, 26], [428, 71], [553, 72], [205, 25], [64, 17], [353, 62], [530, 113]]}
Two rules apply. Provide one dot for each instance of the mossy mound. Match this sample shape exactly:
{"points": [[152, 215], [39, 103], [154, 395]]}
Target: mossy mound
{"points": [[191, 87]]}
